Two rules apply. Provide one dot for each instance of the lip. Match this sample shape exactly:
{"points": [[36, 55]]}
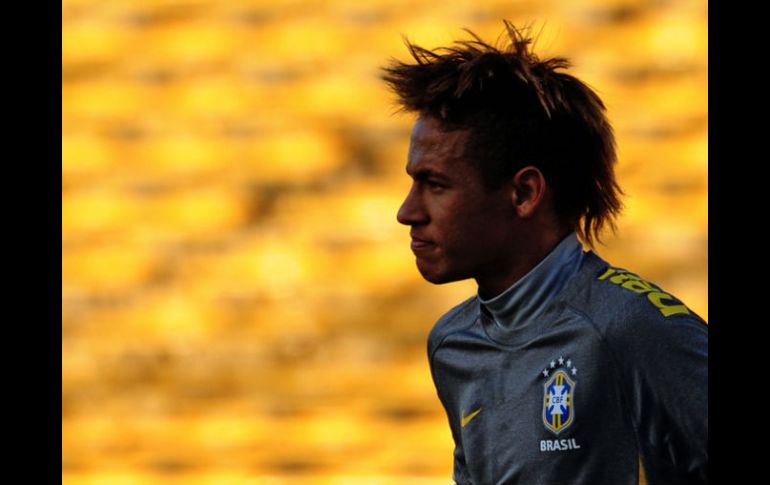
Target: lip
{"points": [[421, 244]]}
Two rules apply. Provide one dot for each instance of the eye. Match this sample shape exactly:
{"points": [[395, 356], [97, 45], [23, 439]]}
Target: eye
{"points": [[434, 186]]}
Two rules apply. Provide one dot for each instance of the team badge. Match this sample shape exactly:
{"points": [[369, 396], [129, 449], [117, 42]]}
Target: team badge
{"points": [[559, 395]]}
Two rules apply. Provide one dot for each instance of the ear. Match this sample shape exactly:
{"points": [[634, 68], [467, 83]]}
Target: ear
{"points": [[527, 191]]}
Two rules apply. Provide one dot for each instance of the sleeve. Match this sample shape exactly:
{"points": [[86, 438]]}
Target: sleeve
{"points": [[459, 468], [663, 364], [443, 327], [459, 472]]}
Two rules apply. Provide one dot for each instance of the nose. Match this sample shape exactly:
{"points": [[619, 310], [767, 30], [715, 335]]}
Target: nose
{"points": [[412, 212]]}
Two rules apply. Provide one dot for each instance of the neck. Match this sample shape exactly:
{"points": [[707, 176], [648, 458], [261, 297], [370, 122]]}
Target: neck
{"points": [[522, 261]]}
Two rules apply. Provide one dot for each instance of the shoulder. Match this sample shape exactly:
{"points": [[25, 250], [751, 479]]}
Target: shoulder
{"points": [[458, 318], [627, 309]]}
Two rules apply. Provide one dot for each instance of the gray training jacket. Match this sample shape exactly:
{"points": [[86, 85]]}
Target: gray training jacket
{"points": [[611, 376]]}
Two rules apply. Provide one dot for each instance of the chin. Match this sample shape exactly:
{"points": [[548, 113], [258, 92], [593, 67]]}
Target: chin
{"points": [[438, 277]]}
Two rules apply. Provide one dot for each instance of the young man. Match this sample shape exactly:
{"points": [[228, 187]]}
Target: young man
{"points": [[563, 369]]}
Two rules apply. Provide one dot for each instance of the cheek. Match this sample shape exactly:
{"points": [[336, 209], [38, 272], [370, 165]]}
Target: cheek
{"points": [[481, 232], [464, 234], [467, 222]]}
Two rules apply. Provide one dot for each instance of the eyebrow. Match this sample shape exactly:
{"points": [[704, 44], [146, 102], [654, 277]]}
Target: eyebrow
{"points": [[426, 173]]}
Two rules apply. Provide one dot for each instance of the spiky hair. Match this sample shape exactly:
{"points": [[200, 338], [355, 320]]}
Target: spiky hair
{"points": [[520, 111]]}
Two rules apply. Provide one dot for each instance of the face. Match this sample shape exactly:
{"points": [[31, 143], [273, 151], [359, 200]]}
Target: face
{"points": [[459, 230]]}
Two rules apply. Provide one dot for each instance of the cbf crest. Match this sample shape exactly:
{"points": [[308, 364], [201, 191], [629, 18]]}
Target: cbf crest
{"points": [[559, 395]]}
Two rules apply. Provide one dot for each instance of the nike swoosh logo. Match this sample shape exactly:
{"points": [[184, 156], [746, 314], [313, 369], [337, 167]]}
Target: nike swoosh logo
{"points": [[467, 419]]}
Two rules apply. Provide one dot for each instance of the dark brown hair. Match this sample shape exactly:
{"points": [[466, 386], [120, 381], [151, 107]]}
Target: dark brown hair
{"points": [[520, 111]]}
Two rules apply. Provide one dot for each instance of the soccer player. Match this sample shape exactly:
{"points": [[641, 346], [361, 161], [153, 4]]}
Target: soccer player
{"points": [[562, 369]]}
